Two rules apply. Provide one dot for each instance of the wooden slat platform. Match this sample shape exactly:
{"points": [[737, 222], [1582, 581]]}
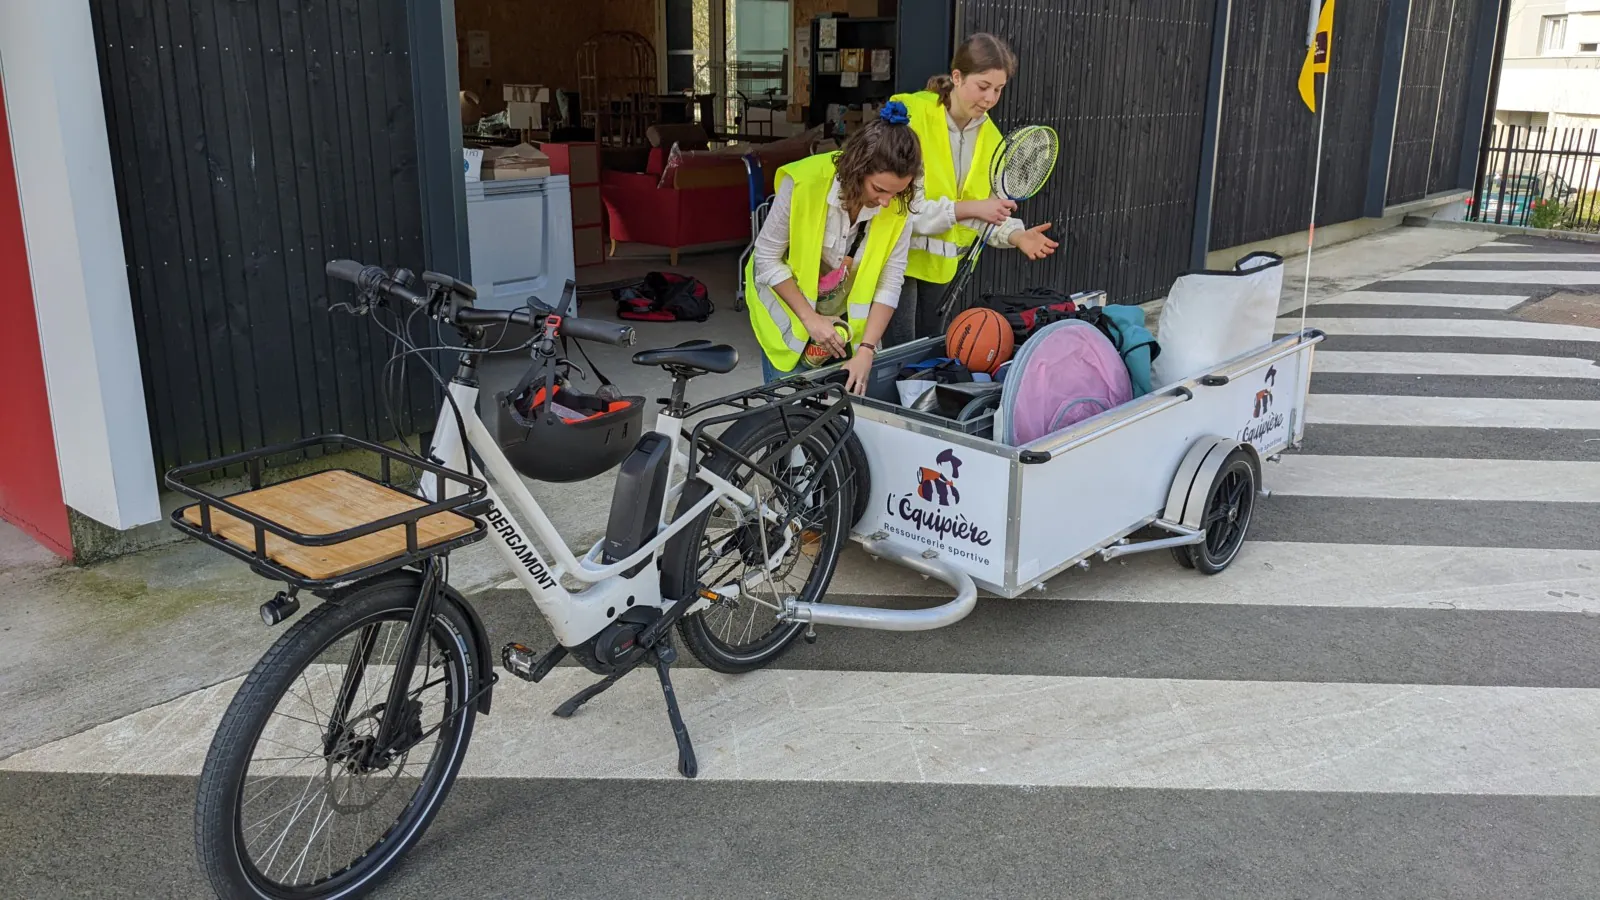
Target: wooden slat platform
{"points": [[325, 503]]}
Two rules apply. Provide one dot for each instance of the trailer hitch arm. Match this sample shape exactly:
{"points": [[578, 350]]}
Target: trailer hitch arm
{"points": [[965, 601]]}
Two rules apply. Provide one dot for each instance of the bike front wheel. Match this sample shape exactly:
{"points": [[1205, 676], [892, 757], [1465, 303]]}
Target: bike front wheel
{"points": [[295, 801]]}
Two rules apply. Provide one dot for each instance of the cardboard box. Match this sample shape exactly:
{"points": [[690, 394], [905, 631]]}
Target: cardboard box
{"points": [[508, 163], [579, 161], [524, 116], [525, 93], [525, 105], [586, 207], [588, 246]]}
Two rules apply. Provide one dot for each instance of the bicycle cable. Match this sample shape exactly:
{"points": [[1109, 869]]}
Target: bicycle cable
{"points": [[401, 340]]}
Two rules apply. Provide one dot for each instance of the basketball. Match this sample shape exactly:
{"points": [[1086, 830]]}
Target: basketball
{"points": [[979, 339]]}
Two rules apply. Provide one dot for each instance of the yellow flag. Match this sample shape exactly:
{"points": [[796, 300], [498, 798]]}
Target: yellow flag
{"points": [[1317, 56]]}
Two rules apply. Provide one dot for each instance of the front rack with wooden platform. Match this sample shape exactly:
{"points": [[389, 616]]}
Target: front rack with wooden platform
{"points": [[333, 527]]}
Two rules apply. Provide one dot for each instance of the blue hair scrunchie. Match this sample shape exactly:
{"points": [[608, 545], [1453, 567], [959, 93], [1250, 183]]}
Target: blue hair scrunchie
{"points": [[894, 112]]}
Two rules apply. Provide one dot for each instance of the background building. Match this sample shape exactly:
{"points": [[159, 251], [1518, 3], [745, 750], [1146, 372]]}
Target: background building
{"points": [[1551, 73]]}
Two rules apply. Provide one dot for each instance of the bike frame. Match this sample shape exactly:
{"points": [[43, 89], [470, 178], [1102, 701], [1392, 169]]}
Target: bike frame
{"points": [[574, 616]]}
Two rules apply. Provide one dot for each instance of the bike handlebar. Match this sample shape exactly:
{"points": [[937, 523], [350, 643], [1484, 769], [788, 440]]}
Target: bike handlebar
{"points": [[375, 281], [599, 332]]}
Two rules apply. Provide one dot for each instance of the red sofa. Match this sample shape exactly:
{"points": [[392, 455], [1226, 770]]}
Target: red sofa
{"points": [[703, 200]]}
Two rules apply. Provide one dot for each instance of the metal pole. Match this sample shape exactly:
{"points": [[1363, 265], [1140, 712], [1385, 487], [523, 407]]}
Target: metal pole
{"points": [[1316, 185], [1490, 94], [435, 90], [1387, 114], [1205, 190]]}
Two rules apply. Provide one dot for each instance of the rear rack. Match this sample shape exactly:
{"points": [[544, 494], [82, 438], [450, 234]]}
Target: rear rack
{"points": [[333, 527], [819, 406]]}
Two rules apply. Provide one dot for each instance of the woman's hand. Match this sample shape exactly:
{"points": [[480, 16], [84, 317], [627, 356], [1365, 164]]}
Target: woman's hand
{"points": [[1033, 243], [994, 210], [857, 369], [822, 333]]}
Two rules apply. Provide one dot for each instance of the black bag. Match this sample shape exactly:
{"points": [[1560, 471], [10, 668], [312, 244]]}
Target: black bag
{"points": [[1031, 310], [665, 297]]}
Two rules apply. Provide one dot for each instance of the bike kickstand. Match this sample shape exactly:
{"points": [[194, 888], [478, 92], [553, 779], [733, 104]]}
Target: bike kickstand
{"points": [[665, 654], [566, 709]]}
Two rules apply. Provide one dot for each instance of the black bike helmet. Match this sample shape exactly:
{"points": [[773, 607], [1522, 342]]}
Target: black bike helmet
{"points": [[582, 436]]}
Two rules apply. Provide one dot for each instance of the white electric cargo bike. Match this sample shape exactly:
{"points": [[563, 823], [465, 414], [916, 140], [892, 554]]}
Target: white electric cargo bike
{"points": [[727, 521]]}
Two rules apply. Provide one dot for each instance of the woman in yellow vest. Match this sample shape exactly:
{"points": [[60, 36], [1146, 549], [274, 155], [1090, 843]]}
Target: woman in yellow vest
{"points": [[827, 267], [952, 202]]}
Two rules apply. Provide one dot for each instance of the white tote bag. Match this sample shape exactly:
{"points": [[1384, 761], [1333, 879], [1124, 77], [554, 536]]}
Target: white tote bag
{"points": [[1211, 317]]}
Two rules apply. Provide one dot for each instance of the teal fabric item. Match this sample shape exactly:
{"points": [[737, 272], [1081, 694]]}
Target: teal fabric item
{"points": [[1134, 342]]}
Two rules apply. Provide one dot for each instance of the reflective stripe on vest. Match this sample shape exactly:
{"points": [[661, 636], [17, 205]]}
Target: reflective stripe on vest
{"points": [[935, 246], [930, 260], [778, 329]]}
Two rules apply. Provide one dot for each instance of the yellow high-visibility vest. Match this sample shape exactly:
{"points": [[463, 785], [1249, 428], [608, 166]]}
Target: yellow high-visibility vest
{"points": [[778, 329], [934, 257]]}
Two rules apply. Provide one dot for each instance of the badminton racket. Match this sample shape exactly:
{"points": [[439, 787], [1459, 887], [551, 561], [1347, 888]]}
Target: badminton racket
{"points": [[1020, 170]]}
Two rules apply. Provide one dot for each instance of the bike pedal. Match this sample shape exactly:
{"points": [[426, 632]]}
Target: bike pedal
{"points": [[520, 661]]}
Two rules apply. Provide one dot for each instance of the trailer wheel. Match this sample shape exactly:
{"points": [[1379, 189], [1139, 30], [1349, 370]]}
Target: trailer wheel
{"points": [[1229, 506]]}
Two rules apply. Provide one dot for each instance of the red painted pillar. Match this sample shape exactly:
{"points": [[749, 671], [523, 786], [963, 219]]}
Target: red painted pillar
{"points": [[30, 481]]}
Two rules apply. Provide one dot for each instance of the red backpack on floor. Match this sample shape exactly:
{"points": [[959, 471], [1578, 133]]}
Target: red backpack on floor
{"points": [[665, 297]]}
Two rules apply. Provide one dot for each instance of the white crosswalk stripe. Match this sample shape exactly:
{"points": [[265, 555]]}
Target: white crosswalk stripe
{"points": [[779, 725], [1311, 574], [1489, 480], [1471, 328], [1483, 365], [1445, 412], [1568, 277], [1420, 298], [1590, 258]]}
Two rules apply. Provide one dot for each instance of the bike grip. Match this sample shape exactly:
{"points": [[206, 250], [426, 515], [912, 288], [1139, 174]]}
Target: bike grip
{"points": [[597, 331], [344, 270]]}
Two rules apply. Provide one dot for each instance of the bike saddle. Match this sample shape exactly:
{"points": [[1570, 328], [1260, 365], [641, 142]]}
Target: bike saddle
{"points": [[699, 355]]}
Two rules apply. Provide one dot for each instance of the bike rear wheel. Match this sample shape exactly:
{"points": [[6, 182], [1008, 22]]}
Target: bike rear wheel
{"points": [[793, 557], [294, 801]]}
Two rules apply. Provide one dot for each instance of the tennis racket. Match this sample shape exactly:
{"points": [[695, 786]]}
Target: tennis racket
{"points": [[1020, 170]]}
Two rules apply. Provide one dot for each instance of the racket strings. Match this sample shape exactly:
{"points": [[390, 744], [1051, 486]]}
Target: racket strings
{"points": [[1025, 162]]}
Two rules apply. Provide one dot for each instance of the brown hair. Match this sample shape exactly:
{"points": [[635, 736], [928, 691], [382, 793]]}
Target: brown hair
{"points": [[982, 52], [878, 146]]}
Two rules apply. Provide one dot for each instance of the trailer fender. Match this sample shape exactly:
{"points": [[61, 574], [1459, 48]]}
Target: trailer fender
{"points": [[1191, 487]]}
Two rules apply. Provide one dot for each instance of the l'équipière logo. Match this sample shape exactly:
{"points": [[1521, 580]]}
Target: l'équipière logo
{"points": [[1263, 421], [928, 507]]}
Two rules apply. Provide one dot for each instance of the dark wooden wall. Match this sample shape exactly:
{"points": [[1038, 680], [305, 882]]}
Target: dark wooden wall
{"points": [[1131, 123], [1432, 120], [251, 143], [1267, 150], [1125, 84]]}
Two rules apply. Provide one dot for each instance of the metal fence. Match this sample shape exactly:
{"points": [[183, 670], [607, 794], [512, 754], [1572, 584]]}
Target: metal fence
{"points": [[1539, 178]]}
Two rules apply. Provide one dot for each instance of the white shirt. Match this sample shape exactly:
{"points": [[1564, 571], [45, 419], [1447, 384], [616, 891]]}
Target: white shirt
{"points": [[938, 215], [773, 242]]}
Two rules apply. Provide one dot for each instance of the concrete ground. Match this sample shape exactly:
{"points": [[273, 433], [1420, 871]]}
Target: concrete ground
{"points": [[1391, 694]]}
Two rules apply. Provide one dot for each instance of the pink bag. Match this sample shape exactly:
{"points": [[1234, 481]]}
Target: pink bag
{"points": [[1066, 372]]}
